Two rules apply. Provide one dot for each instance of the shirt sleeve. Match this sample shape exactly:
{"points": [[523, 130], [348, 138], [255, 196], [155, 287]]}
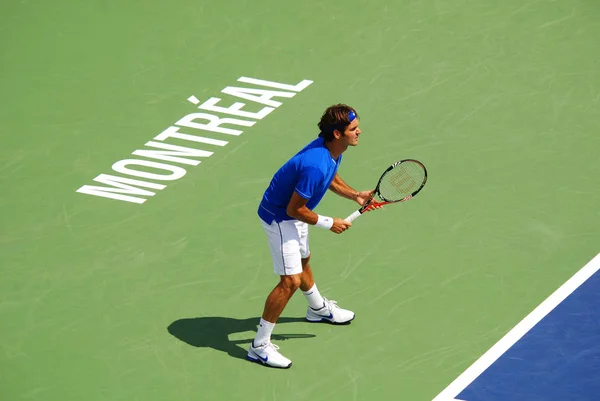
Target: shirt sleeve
{"points": [[310, 179]]}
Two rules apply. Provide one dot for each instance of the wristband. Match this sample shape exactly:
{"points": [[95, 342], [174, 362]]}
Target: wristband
{"points": [[324, 222]]}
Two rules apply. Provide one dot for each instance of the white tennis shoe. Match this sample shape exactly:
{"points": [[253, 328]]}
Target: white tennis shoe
{"points": [[330, 312], [268, 354]]}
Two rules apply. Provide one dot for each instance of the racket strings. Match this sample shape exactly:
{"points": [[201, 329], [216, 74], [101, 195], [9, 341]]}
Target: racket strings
{"points": [[401, 181]]}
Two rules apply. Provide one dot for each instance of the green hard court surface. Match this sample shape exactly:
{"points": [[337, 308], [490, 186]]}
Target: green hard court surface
{"points": [[102, 299]]}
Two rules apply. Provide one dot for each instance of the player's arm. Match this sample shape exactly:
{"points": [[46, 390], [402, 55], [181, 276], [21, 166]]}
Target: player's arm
{"points": [[297, 209], [344, 190]]}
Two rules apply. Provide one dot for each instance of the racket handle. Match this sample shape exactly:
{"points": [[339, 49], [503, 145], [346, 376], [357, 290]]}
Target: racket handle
{"points": [[353, 216]]}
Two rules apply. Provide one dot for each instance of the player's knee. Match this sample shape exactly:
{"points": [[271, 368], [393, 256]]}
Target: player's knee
{"points": [[291, 282]]}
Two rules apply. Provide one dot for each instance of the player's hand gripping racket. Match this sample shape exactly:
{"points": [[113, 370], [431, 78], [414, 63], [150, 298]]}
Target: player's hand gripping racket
{"points": [[400, 182]]}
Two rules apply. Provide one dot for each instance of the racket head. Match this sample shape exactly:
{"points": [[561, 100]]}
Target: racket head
{"points": [[401, 181]]}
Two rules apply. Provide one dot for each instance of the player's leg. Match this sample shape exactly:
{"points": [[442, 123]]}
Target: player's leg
{"points": [[308, 286], [284, 244], [279, 297], [319, 309]]}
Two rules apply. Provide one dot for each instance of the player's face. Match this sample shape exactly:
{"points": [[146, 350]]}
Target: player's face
{"points": [[352, 132]]}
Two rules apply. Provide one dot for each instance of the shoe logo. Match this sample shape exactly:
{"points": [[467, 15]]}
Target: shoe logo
{"points": [[330, 315], [265, 359]]}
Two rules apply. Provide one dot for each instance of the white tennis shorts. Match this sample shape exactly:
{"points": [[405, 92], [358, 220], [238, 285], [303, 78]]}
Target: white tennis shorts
{"points": [[288, 242]]}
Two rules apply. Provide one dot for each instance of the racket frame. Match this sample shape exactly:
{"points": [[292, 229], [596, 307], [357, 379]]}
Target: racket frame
{"points": [[385, 201]]}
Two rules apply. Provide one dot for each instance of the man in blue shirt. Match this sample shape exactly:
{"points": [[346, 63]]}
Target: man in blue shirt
{"points": [[286, 212]]}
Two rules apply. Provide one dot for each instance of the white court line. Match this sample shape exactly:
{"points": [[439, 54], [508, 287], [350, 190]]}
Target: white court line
{"points": [[476, 369]]}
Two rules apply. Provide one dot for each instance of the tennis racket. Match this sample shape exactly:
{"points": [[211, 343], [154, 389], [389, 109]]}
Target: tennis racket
{"points": [[399, 183]]}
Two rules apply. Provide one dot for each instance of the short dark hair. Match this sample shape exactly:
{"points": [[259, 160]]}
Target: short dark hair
{"points": [[336, 117]]}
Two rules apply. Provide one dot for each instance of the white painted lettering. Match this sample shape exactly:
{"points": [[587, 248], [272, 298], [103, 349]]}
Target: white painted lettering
{"points": [[172, 132], [130, 190], [296, 88], [214, 124], [173, 151], [264, 98], [234, 109], [120, 186], [176, 172]]}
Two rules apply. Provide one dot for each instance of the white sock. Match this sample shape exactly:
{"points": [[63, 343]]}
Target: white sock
{"points": [[264, 332], [314, 298]]}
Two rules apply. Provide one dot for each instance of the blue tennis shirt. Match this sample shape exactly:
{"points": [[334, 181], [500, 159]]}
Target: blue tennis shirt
{"points": [[309, 173]]}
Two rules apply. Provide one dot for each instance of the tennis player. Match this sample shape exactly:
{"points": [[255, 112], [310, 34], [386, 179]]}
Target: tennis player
{"points": [[286, 211]]}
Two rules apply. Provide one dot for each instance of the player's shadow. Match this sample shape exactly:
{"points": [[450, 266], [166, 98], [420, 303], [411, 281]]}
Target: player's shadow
{"points": [[213, 332]]}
